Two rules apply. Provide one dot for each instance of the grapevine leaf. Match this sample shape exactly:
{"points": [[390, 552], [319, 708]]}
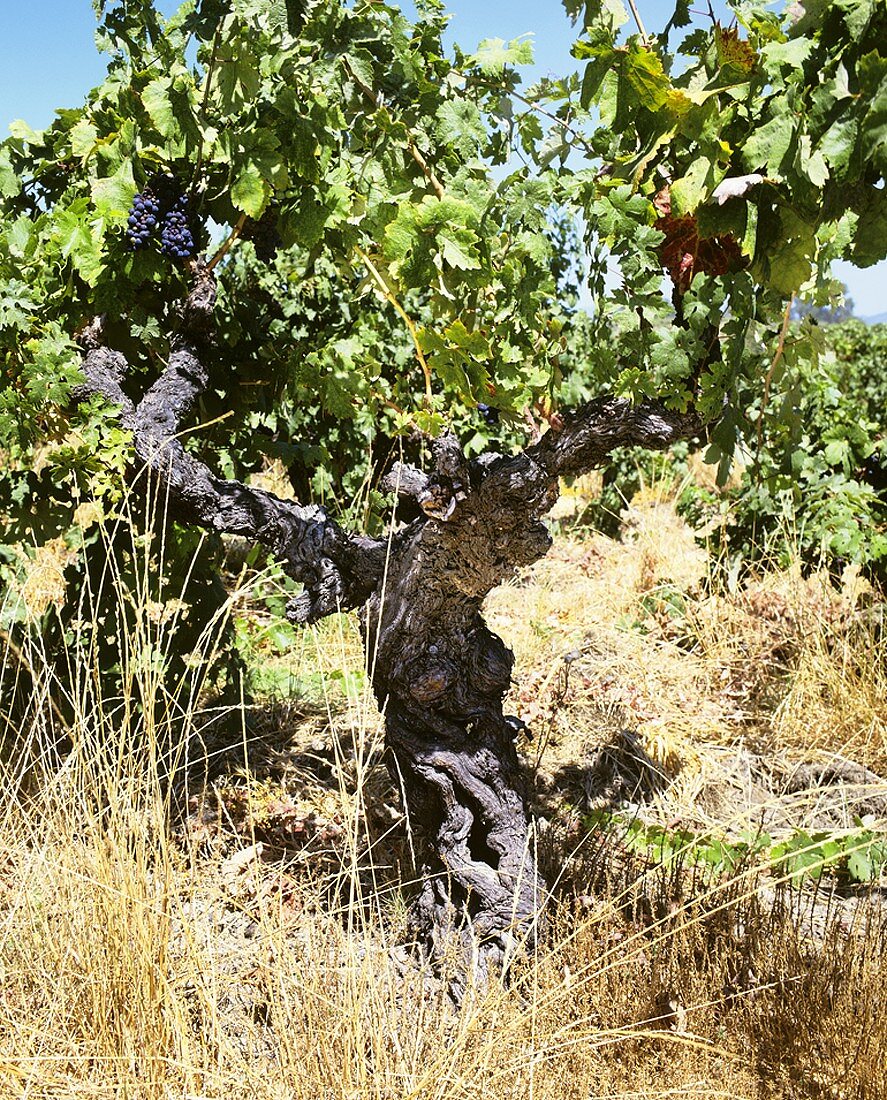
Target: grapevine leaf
{"points": [[645, 74], [83, 138], [250, 192], [493, 54], [170, 105], [684, 253], [857, 14], [78, 242], [599, 64], [608, 15], [839, 142], [17, 304], [813, 163], [10, 184], [688, 191], [460, 124], [238, 80], [156, 98], [19, 235], [113, 195], [870, 241], [455, 255], [790, 259], [734, 52], [21, 130], [768, 145], [791, 54]]}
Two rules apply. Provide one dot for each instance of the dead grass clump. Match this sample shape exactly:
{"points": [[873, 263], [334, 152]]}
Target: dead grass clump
{"points": [[724, 687], [140, 970], [255, 946], [837, 696]]}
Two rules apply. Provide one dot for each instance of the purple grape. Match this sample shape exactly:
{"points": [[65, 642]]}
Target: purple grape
{"points": [[176, 238], [142, 220], [162, 202]]}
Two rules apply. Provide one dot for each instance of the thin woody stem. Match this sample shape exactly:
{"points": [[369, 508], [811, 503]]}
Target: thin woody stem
{"points": [[637, 19], [379, 279], [427, 171], [228, 242]]}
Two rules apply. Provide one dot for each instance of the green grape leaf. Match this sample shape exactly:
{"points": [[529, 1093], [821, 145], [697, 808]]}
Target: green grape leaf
{"points": [[113, 195], [493, 54], [768, 146], [250, 192], [645, 74], [83, 138], [10, 184]]}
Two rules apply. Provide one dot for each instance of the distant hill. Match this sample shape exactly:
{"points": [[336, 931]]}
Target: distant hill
{"points": [[878, 319]]}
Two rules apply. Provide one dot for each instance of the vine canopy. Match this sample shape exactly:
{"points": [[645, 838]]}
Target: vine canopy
{"points": [[399, 231]]}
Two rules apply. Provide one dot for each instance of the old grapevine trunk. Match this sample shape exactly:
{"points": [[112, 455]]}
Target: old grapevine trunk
{"points": [[440, 675]]}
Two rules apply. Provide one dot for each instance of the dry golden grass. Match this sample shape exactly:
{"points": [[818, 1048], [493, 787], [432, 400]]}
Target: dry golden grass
{"points": [[249, 948]]}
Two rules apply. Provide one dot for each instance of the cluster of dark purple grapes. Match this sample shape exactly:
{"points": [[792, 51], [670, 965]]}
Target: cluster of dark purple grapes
{"points": [[489, 414], [265, 235], [142, 220], [176, 238], [162, 202], [874, 472]]}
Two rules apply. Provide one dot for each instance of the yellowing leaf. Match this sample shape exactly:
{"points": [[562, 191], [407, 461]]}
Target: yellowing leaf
{"points": [[83, 138], [644, 72], [250, 192], [734, 51]]}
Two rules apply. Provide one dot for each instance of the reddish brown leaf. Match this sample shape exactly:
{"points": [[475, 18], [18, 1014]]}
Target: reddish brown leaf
{"points": [[684, 253], [733, 50]]}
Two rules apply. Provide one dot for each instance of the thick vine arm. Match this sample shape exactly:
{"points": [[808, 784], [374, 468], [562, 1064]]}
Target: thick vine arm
{"points": [[592, 432], [338, 570]]}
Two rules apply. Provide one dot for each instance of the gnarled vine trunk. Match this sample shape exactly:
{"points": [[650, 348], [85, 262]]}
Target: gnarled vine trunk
{"points": [[439, 673]]}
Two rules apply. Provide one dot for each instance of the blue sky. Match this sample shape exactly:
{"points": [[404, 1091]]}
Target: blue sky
{"points": [[48, 59]]}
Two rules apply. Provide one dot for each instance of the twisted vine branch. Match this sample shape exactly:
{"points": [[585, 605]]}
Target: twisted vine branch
{"points": [[338, 570]]}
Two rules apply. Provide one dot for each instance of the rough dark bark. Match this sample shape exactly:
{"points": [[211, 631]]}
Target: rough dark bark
{"points": [[440, 675], [338, 570]]}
